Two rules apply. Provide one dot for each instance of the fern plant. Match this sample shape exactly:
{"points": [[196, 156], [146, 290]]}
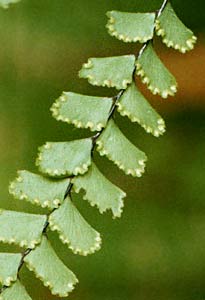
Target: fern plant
{"points": [[69, 167]]}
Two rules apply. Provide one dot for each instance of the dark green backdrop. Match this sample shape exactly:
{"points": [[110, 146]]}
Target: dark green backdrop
{"points": [[157, 250]]}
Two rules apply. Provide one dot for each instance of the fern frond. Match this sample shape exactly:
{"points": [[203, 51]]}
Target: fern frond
{"points": [[69, 166]]}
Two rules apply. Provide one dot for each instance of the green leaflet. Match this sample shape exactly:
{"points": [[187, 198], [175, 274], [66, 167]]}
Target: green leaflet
{"points": [[109, 71], [47, 266], [100, 191], [9, 263], [131, 27], [174, 33], [21, 229], [154, 73], [39, 190], [6, 3], [121, 151], [74, 230], [15, 292], [76, 109], [65, 158], [134, 105]]}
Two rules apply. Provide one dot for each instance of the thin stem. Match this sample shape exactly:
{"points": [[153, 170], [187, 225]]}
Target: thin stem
{"points": [[68, 190], [143, 49], [24, 254], [111, 113], [162, 8], [115, 100]]}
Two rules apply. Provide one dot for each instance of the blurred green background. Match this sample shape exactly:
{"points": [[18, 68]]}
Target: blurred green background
{"points": [[157, 249]]}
